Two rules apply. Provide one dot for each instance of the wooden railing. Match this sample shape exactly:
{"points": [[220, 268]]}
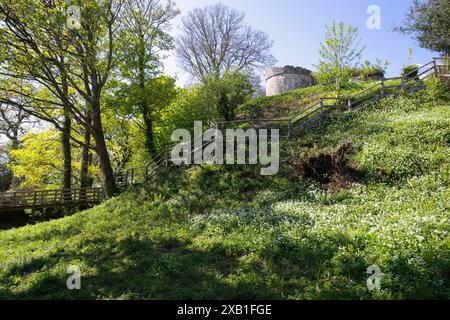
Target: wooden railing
{"points": [[140, 175], [38, 199]]}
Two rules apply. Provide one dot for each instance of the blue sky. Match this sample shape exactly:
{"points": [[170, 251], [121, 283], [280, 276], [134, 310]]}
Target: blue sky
{"points": [[297, 28]]}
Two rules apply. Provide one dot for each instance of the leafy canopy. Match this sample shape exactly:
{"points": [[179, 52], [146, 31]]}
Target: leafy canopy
{"points": [[340, 52], [428, 22]]}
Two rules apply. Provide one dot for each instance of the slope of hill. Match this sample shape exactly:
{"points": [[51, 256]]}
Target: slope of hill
{"points": [[366, 188], [292, 102]]}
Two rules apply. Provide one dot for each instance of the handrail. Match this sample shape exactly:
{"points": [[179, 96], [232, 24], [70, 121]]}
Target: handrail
{"points": [[34, 199], [418, 68], [48, 190], [253, 120]]}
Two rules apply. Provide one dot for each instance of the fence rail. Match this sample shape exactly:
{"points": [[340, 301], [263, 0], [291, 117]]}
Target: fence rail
{"points": [[38, 199]]}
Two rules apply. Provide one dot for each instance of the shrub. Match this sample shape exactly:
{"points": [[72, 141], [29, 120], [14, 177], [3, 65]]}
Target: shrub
{"points": [[371, 70], [227, 93], [410, 71], [436, 89]]}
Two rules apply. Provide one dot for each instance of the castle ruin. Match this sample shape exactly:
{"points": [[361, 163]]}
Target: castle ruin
{"points": [[282, 79]]}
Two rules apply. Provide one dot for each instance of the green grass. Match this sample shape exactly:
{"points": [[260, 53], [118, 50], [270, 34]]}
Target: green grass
{"points": [[228, 233]]}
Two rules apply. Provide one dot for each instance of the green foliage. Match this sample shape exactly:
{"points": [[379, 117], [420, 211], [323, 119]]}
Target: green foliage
{"points": [[436, 89], [227, 93], [127, 97], [427, 21], [339, 54], [38, 162], [410, 71], [190, 105], [144, 105], [369, 70]]}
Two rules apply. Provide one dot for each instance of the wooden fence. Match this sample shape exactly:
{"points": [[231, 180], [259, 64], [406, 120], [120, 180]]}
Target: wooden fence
{"points": [[38, 199]]}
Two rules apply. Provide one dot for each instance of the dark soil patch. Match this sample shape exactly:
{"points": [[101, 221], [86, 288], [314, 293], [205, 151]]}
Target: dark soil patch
{"points": [[330, 169]]}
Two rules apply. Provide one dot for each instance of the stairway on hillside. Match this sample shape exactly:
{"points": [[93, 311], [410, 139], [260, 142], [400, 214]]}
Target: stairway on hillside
{"points": [[308, 117]]}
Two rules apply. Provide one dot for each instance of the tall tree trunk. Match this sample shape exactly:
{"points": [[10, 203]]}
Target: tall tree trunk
{"points": [[108, 182], [85, 178], [66, 132], [67, 150], [144, 105], [150, 141]]}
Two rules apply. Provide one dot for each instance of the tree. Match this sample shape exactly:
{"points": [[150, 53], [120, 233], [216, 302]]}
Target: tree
{"points": [[340, 53], [158, 93], [428, 22], [226, 94], [6, 175], [39, 161], [190, 105], [143, 38], [31, 63], [216, 40], [92, 61], [12, 121], [72, 66]]}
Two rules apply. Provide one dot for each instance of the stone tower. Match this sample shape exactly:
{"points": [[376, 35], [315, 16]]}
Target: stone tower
{"points": [[282, 79]]}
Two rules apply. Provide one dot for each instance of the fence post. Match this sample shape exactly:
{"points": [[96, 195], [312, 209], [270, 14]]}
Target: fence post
{"points": [[167, 155], [383, 88], [126, 178], [350, 104], [435, 68], [289, 127], [33, 210]]}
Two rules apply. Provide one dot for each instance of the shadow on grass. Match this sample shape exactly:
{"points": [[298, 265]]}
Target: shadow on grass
{"points": [[135, 270]]}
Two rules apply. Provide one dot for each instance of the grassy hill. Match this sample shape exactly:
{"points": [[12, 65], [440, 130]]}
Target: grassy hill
{"points": [[291, 102], [366, 188]]}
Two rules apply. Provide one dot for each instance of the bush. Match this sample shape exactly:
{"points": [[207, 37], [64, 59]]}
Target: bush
{"points": [[227, 93], [410, 71], [436, 89], [370, 70], [189, 106]]}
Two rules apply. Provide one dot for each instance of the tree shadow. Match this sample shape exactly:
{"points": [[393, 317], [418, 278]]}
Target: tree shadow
{"points": [[135, 270]]}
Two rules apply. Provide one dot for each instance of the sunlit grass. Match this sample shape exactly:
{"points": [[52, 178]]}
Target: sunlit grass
{"points": [[228, 233]]}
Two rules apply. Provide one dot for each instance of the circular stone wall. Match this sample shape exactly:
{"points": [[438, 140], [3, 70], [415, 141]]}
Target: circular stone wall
{"points": [[279, 80]]}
